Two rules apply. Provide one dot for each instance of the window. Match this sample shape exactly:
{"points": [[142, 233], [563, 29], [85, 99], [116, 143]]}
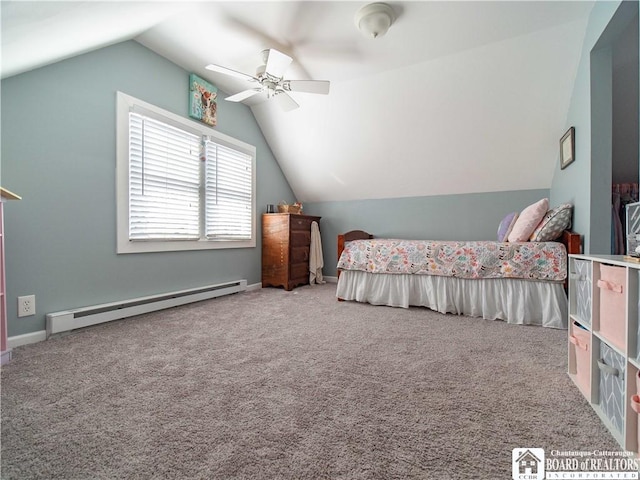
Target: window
{"points": [[180, 185], [164, 181]]}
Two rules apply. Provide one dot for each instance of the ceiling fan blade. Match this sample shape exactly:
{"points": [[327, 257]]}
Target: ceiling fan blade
{"points": [[286, 102], [233, 73], [277, 63], [307, 86], [238, 97]]}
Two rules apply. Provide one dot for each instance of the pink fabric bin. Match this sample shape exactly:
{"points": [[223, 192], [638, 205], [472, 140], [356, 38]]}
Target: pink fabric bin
{"points": [[581, 347], [635, 405], [613, 291]]}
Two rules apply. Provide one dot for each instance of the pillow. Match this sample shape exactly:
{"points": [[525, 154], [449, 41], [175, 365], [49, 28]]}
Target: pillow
{"points": [[528, 220], [553, 224], [507, 223]]}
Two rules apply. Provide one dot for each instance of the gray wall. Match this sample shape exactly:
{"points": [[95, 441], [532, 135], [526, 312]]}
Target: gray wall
{"points": [[58, 152], [592, 206], [445, 217], [625, 106]]}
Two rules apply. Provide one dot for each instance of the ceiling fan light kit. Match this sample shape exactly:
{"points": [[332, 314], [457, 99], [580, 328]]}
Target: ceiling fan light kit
{"points": [[374, 20]]}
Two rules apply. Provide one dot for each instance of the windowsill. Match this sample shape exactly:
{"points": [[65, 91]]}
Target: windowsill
{"points": [[181, 245]]}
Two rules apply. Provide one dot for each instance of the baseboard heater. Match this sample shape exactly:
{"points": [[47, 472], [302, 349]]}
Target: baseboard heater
{"points": [[86, 316]]}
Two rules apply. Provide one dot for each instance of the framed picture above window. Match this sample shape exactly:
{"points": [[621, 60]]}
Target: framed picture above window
{"points": [[567, 148], [203, 100]]}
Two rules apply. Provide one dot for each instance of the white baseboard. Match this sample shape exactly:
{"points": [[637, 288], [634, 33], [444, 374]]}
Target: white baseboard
{"points": [[258, 286], [26, 339], [41, 336]]}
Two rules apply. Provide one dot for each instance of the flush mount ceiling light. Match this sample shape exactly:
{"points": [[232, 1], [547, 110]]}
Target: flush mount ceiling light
{"points": [[374, 20]]}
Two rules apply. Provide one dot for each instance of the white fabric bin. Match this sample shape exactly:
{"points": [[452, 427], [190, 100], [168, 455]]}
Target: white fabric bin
{"points": [[582, 285]]}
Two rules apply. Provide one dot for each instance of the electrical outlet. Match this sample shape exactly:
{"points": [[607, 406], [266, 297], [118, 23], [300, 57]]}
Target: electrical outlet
{"points": [[26, 306]]}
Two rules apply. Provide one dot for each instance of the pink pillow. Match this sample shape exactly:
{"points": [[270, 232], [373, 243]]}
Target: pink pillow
{"points": [[528, 221]]}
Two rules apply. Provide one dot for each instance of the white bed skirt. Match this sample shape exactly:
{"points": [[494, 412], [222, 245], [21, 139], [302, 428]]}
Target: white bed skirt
{"points": [[521, 302]]}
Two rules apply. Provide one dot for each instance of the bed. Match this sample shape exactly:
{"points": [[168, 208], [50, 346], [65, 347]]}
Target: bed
{"points": [[521, 283]]}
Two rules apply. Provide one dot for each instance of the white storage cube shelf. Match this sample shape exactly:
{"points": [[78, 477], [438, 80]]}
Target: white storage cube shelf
{"points": [[612, 368]]}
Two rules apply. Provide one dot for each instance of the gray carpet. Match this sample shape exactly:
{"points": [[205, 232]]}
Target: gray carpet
{"points": [[292, 385]]}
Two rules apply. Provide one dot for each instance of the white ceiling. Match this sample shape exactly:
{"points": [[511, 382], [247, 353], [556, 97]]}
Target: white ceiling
{"points": [[458, 97]]}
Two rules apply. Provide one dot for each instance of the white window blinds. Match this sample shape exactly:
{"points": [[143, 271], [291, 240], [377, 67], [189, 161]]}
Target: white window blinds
{"points": [[164, 181], [180, 185], [228, 193]]}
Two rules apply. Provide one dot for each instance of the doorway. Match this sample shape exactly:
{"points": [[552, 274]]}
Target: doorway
{"points": [[615, 128]]}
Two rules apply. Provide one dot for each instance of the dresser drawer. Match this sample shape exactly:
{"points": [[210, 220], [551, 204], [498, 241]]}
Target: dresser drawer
{"points": [[300, 223], [300, 238], [299, 254], [299, 270]]}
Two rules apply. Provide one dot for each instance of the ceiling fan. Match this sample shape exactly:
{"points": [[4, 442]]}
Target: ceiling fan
{"points": [[269, 78]]}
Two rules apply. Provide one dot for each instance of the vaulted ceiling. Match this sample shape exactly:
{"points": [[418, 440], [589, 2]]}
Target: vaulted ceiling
{"points": [[457, 97]]}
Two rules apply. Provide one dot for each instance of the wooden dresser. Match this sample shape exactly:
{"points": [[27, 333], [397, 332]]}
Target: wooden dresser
{"points": [[285, 249]]}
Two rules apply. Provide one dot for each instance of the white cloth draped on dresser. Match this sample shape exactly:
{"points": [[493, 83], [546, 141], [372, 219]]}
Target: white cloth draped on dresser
{"points": [[316, 262]]}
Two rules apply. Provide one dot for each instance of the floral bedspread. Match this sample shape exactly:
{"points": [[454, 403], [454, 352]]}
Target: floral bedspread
{"points": [[486, 259]]}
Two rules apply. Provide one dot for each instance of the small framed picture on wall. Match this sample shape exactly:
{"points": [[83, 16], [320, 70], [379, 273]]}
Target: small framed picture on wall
{"points": [[567, 148]]}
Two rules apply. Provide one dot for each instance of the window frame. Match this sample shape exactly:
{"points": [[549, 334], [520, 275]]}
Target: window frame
{"points": [[126, 103]]}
